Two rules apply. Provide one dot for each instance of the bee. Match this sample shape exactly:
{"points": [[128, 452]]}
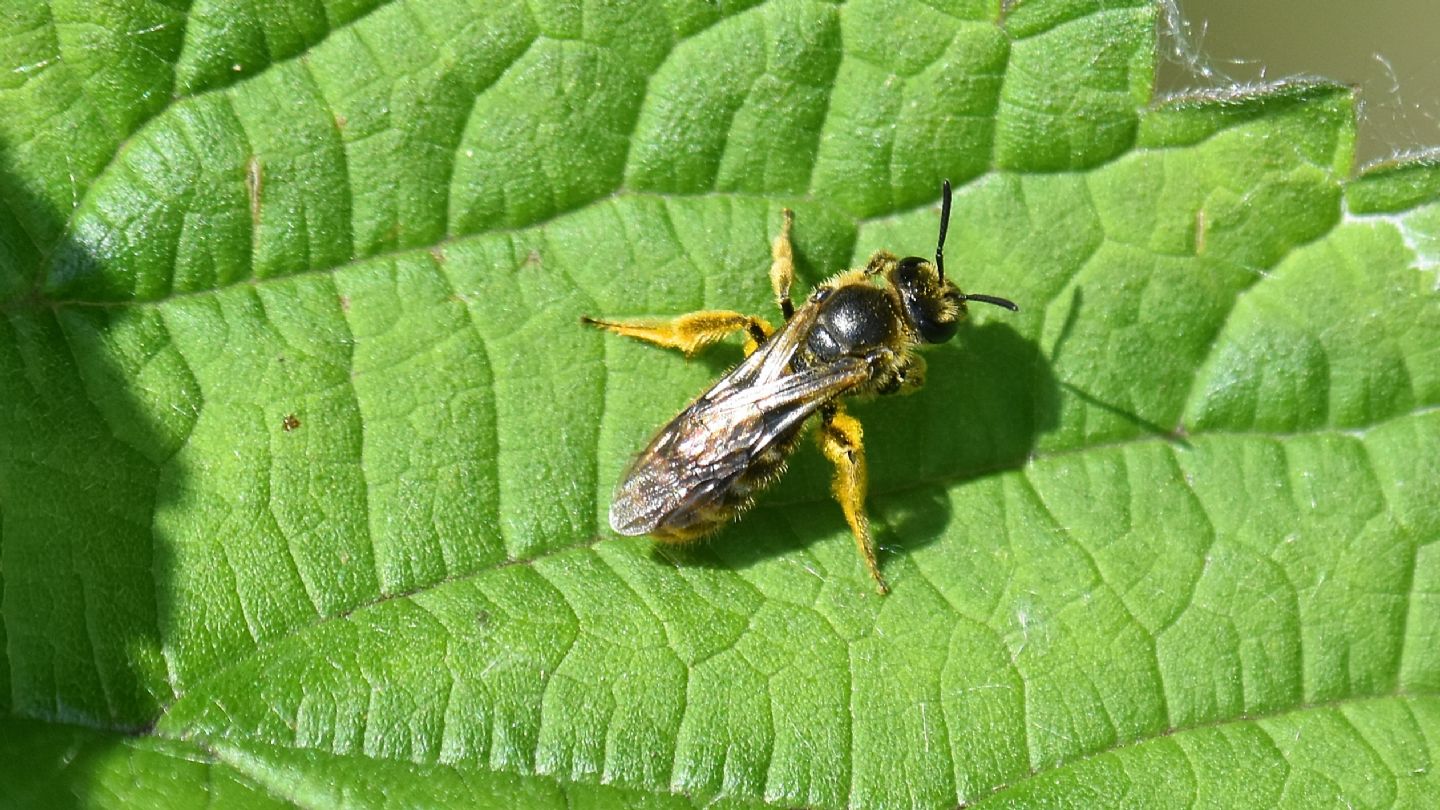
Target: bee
{"points": [[854, 336]]}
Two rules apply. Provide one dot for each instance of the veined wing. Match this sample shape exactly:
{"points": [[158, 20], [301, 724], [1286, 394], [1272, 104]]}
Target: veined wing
{"points": [[696, 458]]}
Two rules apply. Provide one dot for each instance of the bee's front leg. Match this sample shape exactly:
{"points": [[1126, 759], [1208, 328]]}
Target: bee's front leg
{"points": [[692, 331], [840, 441], [881, 262], [912, 374]]}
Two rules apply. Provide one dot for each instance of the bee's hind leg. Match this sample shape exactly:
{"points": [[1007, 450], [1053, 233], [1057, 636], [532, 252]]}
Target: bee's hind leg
{"points": [[840, 441], [692, 331]]}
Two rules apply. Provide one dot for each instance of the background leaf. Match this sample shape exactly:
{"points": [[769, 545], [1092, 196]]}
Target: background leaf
{"points": [[305, 458]]}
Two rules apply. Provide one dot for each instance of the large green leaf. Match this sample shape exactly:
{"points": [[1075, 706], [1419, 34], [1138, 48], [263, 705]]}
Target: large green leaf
{"points": [[304, 455]]}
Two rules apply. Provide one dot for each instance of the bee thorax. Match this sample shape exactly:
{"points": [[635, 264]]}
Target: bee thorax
{"points": [[854, 320]]}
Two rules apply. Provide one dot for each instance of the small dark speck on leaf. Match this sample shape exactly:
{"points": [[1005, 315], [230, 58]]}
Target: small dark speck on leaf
{"points": [[344, 303], [482, 618], [290, 422]]}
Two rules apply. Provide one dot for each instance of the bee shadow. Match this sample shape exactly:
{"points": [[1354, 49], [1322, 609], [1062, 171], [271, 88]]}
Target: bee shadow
{"points": [[989, 395]]}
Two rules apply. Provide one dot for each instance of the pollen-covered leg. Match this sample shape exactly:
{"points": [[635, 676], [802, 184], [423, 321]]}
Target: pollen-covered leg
{"points": [[782, 265], [912, 374], [840, 441], [692, 331]]}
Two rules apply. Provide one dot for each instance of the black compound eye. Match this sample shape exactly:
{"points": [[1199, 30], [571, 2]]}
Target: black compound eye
{"points": [[924, 300], [934, 330]]}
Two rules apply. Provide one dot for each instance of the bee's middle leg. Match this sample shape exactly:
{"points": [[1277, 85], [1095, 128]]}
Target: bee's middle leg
{"points": [[692, 331], [782, 264], [840, 441]]}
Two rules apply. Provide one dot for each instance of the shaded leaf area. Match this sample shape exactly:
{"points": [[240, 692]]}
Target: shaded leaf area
{"points": [[47, 765], [305, 458]]}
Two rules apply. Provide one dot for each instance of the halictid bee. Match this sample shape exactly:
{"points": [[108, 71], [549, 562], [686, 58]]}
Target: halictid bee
{"points": [[851, 337]]}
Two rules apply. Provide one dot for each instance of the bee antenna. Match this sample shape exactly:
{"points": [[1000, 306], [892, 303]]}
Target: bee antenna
{"points": [[944, 225], [990, 299]]}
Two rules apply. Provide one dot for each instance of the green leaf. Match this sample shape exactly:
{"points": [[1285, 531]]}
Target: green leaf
{"points": [[305, 457]]}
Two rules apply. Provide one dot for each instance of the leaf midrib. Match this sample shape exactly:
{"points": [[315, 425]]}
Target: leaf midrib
{"points": [[38, 301]]}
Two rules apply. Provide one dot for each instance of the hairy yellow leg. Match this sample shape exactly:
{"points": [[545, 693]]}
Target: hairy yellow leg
{"points": [[690, 332], [782, 265], [841, 442]]}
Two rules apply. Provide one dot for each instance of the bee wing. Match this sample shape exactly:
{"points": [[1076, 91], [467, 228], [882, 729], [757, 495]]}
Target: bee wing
{"points": [[699, 455]]}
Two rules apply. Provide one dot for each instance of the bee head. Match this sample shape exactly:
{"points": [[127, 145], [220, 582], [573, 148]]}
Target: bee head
{"points": [[933, 304]]}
